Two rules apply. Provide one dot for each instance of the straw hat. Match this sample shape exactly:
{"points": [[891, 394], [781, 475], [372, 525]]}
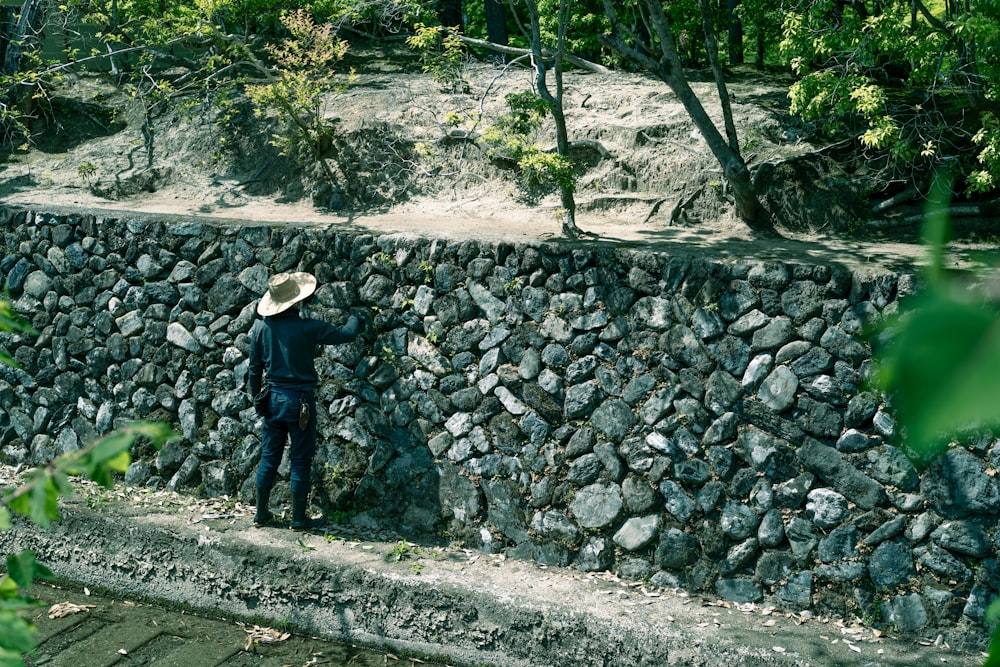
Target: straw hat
{"points": [[284, 290]]}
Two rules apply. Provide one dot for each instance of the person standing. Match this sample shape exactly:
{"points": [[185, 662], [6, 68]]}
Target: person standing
{"points": [[283, 348]]}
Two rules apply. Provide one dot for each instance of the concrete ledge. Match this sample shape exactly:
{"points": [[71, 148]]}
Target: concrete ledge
{"points": [[464, 607]]}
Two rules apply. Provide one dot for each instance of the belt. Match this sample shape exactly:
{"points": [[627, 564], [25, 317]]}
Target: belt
{"points": [[294, 393]]}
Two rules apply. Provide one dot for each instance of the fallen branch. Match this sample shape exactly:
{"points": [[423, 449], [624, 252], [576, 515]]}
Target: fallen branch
{"points": [[906, 195], [514, 51]]}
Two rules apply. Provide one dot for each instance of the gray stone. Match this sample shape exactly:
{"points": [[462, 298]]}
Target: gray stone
{"points": [[956, 485], [639, 497], [801, 538], [891, 564], [184, 473], [748, 323], [802, 300], [942, 563], [584, 470], [614, 418], [773, 335], [182, 338], [732, 354], [813, 362], [676, 550], [843, 346], [841, 572], [771, 531], [773, 566], [707, 324], [886, 531], [739, 299], [826, 508], [757, 370], [676, 501], [738, 521], [739, 590], [597, 505], [596, 555], [37, 284], [721, 392], [890, 466], [637, 532], [581, 399], [852, 441], [839, 545], [777, 391], [860, 409], [797, 591], [658, 405], [505, 510], [130, 324], [556, 526], [906, 612], [963, 537], [830, 465], [654, 312], [769, 275], [738, 557]]}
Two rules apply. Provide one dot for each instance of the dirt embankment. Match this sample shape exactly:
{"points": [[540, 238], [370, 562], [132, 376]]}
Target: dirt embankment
{"points": [[410, 158]]}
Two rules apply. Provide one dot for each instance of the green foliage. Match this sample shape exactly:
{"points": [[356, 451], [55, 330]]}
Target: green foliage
{"points": [[86, 171], [296, 94], [902, 87], [442, 54], [375, 17], [988, 177], [993, 652], [586, 23], [943, 358], [513, 138]]}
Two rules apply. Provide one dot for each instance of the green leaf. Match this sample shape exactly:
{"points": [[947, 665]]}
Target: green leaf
{"points": [[993, 652], [158, 433], [111, 446], [8, 589], [10, 658], [18, 634], [941, 368], [21, 568], [4, 518]]}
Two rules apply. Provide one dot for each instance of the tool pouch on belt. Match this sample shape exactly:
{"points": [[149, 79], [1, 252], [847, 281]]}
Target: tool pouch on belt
{"points": [[303, 416], [261, 401]]}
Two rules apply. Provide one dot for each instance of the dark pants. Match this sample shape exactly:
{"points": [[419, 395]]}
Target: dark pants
{"points": [[281, 426]]}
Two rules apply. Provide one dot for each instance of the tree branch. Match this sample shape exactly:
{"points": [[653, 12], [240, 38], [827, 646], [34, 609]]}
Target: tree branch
{"points": [[514, 51]]}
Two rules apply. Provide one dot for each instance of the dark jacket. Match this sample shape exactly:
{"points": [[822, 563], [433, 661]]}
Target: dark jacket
{"points": [[284, 346]]}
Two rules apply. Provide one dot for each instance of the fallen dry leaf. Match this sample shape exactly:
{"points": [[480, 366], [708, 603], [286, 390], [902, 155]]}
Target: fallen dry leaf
{"points": [[66, 608]]}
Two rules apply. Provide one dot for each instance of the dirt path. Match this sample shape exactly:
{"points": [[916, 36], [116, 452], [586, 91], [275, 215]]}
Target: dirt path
{"points": [[466, 607]]}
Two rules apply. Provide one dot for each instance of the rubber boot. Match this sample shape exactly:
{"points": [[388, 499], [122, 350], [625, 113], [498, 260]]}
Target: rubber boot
{"points": [[299, 519], [263, 516]]}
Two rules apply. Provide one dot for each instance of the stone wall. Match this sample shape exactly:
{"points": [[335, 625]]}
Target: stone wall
{"points": [[690, 423]]}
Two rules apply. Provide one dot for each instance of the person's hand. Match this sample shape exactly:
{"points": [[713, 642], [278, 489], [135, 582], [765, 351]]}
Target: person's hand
{"points": [[364, 317]]}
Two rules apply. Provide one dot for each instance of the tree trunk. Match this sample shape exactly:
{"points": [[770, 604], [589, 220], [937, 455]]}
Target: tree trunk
{"points": [[496, 22], [18, 39], [566, 197], [450, 13], [735, 33], [668, 69]]}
